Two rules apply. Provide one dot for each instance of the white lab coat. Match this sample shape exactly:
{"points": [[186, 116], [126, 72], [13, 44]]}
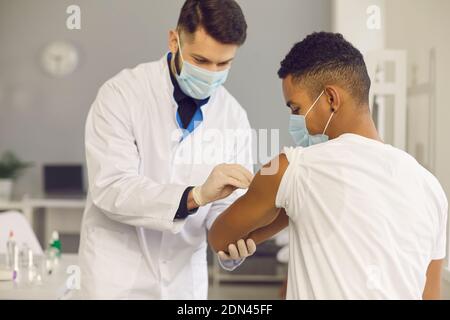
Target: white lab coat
{"points": [[131, 248]]}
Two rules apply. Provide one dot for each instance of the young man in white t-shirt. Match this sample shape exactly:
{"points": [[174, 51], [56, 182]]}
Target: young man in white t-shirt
{"points": [[366, 220]]}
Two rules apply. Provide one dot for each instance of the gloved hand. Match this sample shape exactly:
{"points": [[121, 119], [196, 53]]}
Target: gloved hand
{"points": [[223, 180], [243, 250]]}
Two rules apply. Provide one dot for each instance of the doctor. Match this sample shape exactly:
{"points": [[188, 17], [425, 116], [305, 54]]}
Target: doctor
{"points": [[161, 168]]}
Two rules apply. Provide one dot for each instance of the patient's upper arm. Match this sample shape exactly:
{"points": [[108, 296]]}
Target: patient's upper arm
{"points": [[432, 289], [253, 210]]}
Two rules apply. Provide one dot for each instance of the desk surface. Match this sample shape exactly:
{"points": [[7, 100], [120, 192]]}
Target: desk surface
{"points": [[53, 287], [57, 203], [44, 203]]}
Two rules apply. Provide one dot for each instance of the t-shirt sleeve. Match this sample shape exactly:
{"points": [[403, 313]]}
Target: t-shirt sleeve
{"points": [[290, 190], [440, 248]]}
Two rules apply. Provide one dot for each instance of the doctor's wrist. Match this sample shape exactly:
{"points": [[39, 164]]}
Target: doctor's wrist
{"points": [[198, 197], [186, 208], [191, 203]]}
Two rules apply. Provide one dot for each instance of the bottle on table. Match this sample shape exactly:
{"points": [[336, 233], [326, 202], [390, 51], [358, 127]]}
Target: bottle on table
{"points": [[10, 250]]}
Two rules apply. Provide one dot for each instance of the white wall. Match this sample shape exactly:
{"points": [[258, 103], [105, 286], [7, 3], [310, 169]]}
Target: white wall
{"points": [[42, 118], [350, 17]]}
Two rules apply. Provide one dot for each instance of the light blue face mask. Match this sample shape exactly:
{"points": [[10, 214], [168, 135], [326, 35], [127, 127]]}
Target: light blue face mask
{"points": [[197, 82], [300, 133]]}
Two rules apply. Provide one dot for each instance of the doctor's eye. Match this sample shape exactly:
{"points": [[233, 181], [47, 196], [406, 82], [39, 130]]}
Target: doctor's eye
{"points": [[200, 61]]}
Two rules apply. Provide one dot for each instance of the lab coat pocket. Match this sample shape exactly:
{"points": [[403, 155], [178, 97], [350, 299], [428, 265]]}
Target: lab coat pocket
{"points": [[115, 262]]}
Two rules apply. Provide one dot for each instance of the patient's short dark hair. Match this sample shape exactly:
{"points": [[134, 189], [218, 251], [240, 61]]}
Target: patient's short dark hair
{"points": [[222, 19], [324, 58]]}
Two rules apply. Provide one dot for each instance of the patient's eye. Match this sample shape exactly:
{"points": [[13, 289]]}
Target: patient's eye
{"points": [[294, 108]]}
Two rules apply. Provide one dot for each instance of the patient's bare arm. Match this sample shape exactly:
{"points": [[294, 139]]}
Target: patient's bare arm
{"points": [[267, 232], [254, 213]]}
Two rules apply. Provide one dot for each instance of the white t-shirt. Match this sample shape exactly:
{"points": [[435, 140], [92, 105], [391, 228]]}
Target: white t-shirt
{"points": [[365, 221]]}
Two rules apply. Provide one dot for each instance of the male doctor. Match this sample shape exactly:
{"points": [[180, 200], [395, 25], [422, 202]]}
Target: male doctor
{"points": [[160, 168]]}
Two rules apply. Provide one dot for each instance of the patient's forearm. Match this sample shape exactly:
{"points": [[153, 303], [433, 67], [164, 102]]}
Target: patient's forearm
{"points": [[229, 228], [237, 222], [267, 232]]}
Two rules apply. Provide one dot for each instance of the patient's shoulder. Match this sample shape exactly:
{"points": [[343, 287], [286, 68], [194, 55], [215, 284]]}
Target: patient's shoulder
{"points": [[276, 167], [267, 180]]}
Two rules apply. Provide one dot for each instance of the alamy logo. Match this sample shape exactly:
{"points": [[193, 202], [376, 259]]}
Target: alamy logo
{"points": [[73, 21], [374, 17], [73, 281]]}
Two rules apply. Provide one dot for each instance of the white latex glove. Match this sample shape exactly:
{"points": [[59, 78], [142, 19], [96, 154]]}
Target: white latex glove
{"points": [[223, 180], [243, 250]]}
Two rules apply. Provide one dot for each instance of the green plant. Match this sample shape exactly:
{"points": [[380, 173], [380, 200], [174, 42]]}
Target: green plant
{"points": [[11, 167]]}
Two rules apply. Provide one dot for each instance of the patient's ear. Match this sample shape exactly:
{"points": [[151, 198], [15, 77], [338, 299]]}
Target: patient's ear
{"points": [[333, 95]]}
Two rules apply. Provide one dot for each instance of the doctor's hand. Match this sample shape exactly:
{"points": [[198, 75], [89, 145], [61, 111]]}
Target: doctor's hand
{"points": [[242, 250], [223, 180]]}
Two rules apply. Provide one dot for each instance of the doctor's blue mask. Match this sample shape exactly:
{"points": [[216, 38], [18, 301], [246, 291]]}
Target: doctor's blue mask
{"points": [[196, 82], [299, 130]]}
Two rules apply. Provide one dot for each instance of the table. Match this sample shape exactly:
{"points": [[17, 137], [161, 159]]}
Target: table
{"points": [[53, 287], [30, 207]]}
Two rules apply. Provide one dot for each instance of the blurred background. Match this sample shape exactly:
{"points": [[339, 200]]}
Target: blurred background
{"points": [[50, 75]]}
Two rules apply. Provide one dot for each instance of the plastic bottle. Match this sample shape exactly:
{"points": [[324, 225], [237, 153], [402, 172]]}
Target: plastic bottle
{"points": [[56, 243], [16, 263], [10, 249]]}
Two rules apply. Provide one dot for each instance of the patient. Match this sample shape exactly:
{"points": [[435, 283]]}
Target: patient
{"points": [[366, 221]]}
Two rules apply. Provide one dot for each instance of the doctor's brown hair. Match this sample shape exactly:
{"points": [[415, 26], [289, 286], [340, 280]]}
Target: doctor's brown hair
{"points": [[221, 19]]}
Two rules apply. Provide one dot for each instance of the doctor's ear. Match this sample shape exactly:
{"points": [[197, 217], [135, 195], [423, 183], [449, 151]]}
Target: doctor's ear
{"points": [[173, 42], [333, 97]]}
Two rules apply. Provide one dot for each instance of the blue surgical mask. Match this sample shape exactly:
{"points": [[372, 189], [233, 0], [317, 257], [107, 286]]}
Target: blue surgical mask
{"points": [[299, 130], [197, 82]]}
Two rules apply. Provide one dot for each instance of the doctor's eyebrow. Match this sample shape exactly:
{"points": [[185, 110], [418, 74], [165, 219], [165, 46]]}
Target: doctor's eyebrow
{"points": [[206, 60]]}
